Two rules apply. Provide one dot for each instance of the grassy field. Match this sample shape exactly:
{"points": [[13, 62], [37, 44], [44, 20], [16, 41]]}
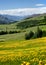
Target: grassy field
{"points": [[30, 52], [17, 36], [15, 50], [8, 27]]}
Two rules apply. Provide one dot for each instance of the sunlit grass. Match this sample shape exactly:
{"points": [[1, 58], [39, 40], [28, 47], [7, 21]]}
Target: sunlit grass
{"points": [[30, 51]]}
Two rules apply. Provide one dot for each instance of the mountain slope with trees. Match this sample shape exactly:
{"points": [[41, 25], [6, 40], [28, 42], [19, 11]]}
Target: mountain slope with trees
{"points": [[36, 20]]}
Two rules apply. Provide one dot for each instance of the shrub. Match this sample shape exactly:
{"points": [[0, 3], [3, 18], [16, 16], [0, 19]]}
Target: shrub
{"points": [[11, 32], [29, 35], [3, 32], [44, 33], [38, 33]]}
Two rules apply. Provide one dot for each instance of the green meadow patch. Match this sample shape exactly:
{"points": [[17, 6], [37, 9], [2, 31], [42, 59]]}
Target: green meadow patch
{"points": [[31, 52]]}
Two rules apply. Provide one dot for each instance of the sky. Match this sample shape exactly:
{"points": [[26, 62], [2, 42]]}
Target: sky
{"points": [[22, 7]]}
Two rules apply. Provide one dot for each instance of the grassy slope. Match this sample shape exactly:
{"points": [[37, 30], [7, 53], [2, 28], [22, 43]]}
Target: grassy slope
{"points": [[14, 49], [14, 53], [8, 27], [22, 23], [21, 35], [30, 22]]}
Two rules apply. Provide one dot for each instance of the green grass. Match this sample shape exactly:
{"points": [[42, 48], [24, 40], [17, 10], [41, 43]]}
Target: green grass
{"points": [[12, 37], [8, 27], [17, 52], [43, 27], [20, 36]]}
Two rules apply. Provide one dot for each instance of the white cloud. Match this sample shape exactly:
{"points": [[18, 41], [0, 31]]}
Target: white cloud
{"points": [[40, 5], [24, 11]]}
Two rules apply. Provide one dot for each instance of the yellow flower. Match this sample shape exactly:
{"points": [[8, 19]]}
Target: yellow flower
{"points": [[21, 64], [24, 63], [41, 63], [45, 64], [28, 63]]}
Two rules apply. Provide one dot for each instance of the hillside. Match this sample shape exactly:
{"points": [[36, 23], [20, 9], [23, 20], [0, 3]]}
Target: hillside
{"points": [[15, 50], [14, 18], [4, 20], [17, 53], [31, 21]]}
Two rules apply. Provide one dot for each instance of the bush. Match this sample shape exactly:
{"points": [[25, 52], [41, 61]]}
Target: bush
{"points": [[44, 34], [38, 33], [29, 35], [3, 32], [12, 32]]}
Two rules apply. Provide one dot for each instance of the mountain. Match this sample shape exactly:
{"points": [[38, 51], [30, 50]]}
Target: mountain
{"points": [[4, 19], [14, 18]]}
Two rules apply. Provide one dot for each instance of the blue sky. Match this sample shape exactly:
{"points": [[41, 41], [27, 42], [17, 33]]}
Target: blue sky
{"points": [[13, 4], [22, 7]]}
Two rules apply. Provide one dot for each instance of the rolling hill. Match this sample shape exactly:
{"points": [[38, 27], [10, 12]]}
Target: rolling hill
{"points": [[5, 19], [31, 21], [15, 50]]}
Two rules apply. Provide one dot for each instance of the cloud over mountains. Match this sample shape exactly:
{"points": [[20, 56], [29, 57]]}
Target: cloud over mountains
{"points": [[24, 11]]}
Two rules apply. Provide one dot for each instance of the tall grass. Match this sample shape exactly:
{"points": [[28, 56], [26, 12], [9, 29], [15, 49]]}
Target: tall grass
{"points": [[16, 53]]}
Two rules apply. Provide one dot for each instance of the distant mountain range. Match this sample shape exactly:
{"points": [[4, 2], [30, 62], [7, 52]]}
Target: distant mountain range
{"points": [[14, 18], [5, 19]]}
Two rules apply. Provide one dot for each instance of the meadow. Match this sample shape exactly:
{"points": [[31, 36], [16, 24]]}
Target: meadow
{"points": [[17, 36], [30, 52], [15, 50]]}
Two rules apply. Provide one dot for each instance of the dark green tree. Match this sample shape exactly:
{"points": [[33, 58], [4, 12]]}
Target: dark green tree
{"points": [[39, 32], [29, 35], [44, 20]]}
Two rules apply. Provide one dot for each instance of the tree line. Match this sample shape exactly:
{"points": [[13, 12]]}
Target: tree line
{"points": [[38, 34], [9, 32]]}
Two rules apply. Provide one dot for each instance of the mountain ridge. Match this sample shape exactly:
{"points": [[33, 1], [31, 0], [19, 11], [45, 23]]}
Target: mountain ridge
{"points": [[5, 19]]}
